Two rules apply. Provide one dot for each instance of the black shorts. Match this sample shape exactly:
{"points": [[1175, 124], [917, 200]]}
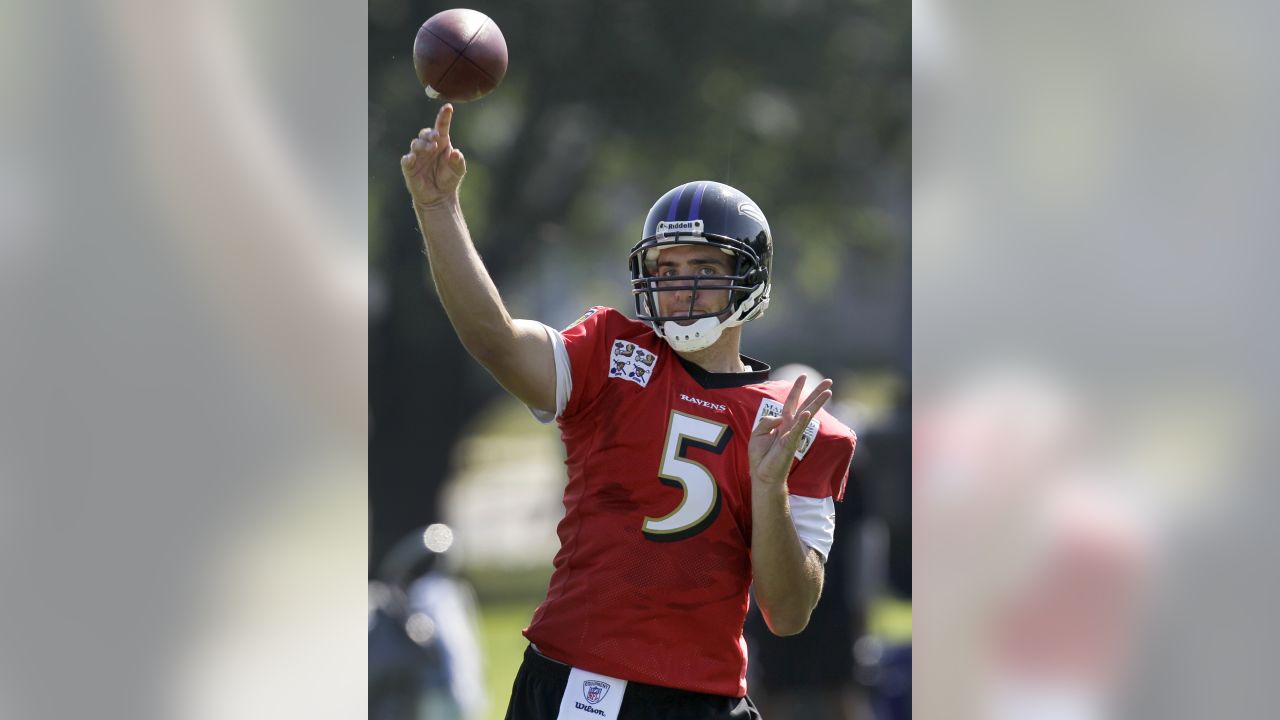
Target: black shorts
{"points": [[536, 693]]}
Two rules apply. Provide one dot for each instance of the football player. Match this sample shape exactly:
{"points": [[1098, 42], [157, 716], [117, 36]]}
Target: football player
{"points": [[691, 475]]}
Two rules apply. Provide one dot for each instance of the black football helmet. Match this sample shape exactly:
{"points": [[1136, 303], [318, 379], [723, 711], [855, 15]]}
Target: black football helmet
{"points": [[708, 213]]}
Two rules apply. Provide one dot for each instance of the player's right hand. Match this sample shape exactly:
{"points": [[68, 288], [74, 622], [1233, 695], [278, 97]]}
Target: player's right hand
{"points": [[433, 168], [774, 442]]}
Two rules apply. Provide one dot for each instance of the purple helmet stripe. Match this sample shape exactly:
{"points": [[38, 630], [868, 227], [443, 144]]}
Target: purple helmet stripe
{"points": [[675, 202], [697, 201]]}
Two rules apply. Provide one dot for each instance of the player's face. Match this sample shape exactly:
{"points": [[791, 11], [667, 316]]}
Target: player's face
{"points": [[686, 261]]}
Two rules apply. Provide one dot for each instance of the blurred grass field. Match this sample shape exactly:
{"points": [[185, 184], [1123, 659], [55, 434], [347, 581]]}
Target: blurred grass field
{"points": [[503, 646]]}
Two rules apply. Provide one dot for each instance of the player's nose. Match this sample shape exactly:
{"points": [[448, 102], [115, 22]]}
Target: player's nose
{"points": [[682, 297]]}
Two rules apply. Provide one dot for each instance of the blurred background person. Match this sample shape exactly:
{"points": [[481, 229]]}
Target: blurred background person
{"points": [[424, 656]]}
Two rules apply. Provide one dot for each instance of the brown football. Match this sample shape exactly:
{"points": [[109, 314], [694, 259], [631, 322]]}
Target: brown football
{"points": [[459, 55]]}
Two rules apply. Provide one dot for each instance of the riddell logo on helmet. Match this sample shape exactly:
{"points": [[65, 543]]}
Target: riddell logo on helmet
{"points": [[680, 227]]}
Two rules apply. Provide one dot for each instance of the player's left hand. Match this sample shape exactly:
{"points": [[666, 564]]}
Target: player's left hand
{"points": [[773, 443]]}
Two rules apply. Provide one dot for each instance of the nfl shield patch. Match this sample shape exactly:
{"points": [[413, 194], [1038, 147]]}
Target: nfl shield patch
{"points": [[600, 696], [585, 315], [594, 690]]}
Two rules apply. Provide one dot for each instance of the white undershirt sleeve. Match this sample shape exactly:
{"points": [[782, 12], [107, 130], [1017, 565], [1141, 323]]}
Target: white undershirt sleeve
{"points": [[815, 521], [564, 378]]}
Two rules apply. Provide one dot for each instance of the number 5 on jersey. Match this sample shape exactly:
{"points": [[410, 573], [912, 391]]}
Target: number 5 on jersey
{"points": [[701, 502]]}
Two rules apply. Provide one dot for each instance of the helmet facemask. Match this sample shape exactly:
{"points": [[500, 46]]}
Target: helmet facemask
{"points": [[747, 288]]}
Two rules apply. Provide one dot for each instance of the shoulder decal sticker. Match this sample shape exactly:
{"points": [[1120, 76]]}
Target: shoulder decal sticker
{"points": [[629, 361]]}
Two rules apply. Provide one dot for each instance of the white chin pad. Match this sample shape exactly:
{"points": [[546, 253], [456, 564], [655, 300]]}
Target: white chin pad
{"points": [[695, 336]]}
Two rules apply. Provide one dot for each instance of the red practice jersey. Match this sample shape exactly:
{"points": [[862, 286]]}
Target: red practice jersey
{"points": [[651, 580]]}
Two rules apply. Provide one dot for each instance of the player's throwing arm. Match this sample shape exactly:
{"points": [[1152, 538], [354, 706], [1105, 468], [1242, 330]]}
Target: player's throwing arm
{"points": [[517, 352]]}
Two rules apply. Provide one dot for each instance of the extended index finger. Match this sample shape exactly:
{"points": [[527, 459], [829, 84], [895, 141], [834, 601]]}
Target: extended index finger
{"points": [[444, 119]]}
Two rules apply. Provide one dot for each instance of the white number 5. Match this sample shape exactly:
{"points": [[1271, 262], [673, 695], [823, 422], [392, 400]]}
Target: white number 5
{"points": [[701, 502]]}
